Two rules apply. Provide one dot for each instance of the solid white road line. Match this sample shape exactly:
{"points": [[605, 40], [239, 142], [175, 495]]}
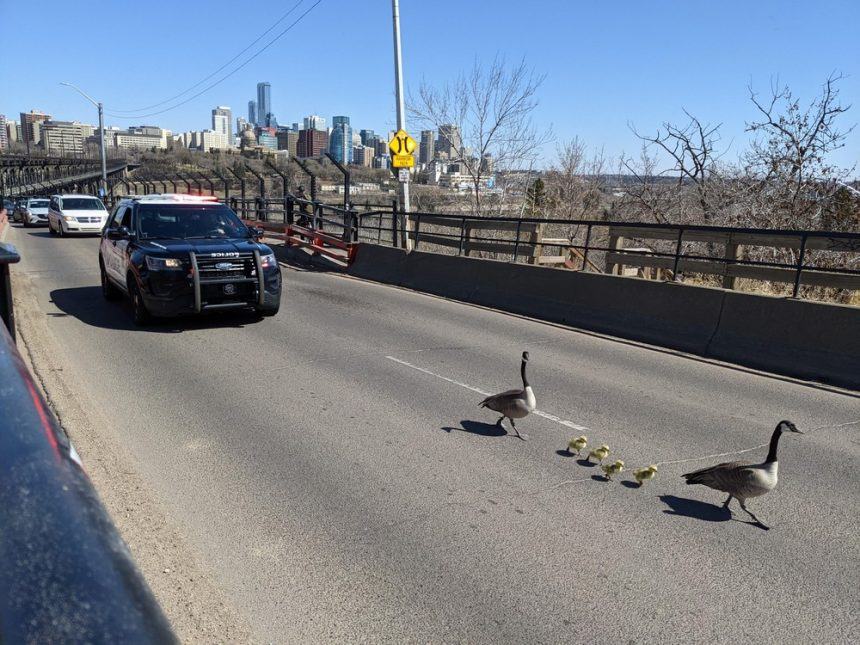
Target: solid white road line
{"points": [[545, 415]]}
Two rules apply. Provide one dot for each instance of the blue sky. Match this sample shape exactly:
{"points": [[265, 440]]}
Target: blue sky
{"points": [[607, 64]]}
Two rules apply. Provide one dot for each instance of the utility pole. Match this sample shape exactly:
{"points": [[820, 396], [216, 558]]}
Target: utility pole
{"points": [[100, 106], [401, 119]]}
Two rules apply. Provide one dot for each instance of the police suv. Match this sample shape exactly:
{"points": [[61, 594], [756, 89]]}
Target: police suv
{"points": [[182, 254]]}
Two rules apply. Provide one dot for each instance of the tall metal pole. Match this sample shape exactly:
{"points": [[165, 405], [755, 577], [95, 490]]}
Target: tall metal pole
{"points": [[100, 107], [401, 118], [102, 149]]}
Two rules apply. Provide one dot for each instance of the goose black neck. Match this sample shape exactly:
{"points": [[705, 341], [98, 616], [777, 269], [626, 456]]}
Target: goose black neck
{"points": [[774, 442], [523, 373]]}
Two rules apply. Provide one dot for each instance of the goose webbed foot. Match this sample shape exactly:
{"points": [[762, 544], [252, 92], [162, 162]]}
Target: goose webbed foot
{"points": [[523, 437], [755, 519], [499, 422]]}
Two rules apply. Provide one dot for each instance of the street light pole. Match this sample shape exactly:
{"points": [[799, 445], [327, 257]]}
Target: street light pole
{"points": [[401, 117], [102, 150], [102, 153]]}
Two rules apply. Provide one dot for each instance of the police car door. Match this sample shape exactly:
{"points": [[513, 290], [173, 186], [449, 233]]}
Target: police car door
{"points": [[117, 248]]}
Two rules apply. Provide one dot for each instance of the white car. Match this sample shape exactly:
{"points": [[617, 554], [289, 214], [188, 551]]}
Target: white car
{"points": [[34, 211], [76, 214]]}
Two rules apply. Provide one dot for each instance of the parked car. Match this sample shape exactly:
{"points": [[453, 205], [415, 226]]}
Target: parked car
{"points": [[178, 254], [76, 214], [34, 211]]}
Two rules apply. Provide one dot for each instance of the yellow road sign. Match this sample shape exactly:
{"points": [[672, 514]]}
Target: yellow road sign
{"points": [[401, 147]]}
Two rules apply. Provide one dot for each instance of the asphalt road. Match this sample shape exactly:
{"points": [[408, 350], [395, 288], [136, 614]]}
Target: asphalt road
{"points": [[332, 468]]}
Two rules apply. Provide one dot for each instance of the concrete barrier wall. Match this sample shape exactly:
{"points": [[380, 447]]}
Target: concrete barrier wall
{"points": [[797, 338]]}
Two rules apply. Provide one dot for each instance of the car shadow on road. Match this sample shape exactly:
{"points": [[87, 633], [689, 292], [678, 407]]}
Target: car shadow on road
{"points": [[87, 305], [478, 428], [42, 233]]}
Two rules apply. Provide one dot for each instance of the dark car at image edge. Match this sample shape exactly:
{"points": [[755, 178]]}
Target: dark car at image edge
{"points": [[176, 255]]}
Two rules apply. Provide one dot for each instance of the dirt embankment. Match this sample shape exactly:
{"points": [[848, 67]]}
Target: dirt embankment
{"points": [[198, 610]]}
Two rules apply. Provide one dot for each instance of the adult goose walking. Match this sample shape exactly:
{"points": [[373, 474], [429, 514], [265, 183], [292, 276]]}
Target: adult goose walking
{"points": [[513, 404], [744, 481]]}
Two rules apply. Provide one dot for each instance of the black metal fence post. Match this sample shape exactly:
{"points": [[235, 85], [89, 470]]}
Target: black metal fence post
{"points": [[289, 205], [800, 258], [417, 228], [462, 236], [677, 255], [517, 241], [585, 251]]}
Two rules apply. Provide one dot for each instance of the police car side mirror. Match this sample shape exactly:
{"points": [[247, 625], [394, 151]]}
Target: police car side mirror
{"points": [[121, 233], [255, 232]]}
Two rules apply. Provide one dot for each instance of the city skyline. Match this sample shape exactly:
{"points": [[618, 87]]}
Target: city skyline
{"points": [[591, 56]]}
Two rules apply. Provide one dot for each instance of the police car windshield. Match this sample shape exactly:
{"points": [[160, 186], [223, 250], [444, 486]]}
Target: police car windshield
{"points": [[185, 221]]}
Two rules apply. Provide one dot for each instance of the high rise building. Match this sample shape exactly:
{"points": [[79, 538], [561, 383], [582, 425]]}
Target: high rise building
{"points": [[222, 122], [264, 102], [288, 140], [13, 132], [64, 138], [428, 146], [241, 124], [213, 140], [314, 122], [340, 141], [449, 143], [4, 137], [267, 137], [252, 112], [363, 156], [365, 136], [31, 127], [311, 143]]}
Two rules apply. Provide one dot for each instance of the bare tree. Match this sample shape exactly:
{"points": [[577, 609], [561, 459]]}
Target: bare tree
{"points": [[575, 182], [692, 151], [485, 118], [796, 183]]}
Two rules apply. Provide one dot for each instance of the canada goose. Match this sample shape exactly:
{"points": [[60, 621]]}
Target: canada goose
{"points": [[599, 453], [513, 404], [577, 445], [612, 469], [744, 481], [644, 474]]}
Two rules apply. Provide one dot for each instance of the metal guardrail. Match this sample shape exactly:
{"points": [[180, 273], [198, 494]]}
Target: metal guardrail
{"points": [[65, 573], [663, 251], [683, 247]]}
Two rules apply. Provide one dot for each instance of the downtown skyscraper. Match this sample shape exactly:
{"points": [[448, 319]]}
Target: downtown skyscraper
{"points": [[264, 103]]}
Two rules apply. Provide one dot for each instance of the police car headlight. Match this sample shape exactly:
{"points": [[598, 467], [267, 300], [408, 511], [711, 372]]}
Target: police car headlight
{"points": [[268, 261], [161, 264]]}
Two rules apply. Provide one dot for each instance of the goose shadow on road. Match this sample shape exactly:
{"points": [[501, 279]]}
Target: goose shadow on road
{"points": [[478, 428], [699, 510], [87, 305]]}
